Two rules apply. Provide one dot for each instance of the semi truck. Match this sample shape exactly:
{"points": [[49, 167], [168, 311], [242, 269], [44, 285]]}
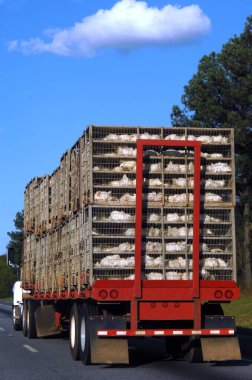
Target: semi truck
{"points": [[133, 235]]}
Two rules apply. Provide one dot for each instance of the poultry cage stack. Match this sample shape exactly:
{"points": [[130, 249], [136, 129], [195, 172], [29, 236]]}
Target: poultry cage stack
{"points": [[92, 235]]}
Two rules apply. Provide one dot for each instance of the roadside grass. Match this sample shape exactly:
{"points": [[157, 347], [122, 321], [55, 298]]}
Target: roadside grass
{"points": [[7, 299], [241, 309]]}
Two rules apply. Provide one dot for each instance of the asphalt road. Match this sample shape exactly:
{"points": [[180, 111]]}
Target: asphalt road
{"points": [[49, 359]]}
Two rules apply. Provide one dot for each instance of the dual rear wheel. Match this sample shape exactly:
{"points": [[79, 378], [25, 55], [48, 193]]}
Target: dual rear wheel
{"points": [[28, 318], [80, 347]]}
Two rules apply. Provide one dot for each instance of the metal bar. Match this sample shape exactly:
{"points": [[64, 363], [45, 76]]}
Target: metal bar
{"points": [[196, 220], [134, 314], [138, 226]]}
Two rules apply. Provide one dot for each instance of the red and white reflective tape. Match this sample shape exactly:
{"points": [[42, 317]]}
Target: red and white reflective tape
{"points": [[165, 332]]}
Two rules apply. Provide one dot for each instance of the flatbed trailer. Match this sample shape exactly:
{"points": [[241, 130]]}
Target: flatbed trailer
{"points": [[119, 259]]}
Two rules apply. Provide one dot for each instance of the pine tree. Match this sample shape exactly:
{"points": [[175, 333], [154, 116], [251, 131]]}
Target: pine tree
{"points": [[17, 237]]}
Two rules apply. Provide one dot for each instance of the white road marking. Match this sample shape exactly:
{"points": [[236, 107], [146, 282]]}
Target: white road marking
{"points": [[2, 329], [30, 348]]}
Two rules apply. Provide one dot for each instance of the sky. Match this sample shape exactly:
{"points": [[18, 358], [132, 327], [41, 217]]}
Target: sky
{"points": [[65, 64]]}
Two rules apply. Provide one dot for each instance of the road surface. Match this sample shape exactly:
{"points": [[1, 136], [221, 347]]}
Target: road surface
{"points": [[49, 359]]}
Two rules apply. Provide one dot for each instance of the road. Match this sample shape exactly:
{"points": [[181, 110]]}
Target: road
{"points": [[49, 359]]}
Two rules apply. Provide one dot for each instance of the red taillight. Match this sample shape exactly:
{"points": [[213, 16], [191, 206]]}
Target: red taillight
{"points": [[218, 294], [228, 294], [103, 293], [113, 293]]}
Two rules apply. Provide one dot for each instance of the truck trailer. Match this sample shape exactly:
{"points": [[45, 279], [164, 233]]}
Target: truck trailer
{"points": [[133, 235]]}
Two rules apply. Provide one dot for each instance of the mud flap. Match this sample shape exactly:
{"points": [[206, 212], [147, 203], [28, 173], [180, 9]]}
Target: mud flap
{"points": [[45, 321], [220, 348], [108, 350]]}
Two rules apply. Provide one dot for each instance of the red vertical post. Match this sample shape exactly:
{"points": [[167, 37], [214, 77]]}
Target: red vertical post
{"points": [[138, 226], [196, 220], [196, 238]]}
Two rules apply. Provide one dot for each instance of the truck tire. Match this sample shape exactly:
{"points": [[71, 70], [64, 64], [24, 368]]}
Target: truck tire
{"points": [[193, 351], [31, 323], [85, 348], [75, 332], [173, 346], [24, 318], [17, 322]]}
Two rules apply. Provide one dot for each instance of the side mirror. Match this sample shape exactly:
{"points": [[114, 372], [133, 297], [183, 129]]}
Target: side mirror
{"points": [[10, 256]]}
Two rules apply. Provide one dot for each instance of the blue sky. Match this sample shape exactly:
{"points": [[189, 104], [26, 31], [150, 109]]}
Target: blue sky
{"points": [[61, 71]]}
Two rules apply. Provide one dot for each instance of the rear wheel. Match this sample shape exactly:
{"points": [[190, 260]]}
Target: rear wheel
{"points": [[87, 310], [31, 323], [16, 318], [75, 332], [85, 349], [173, 346], [24, 318], [193, 351]]}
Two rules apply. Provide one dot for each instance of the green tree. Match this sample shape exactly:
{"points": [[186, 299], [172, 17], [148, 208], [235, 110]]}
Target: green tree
{"points": [[16, 237], [7, 278], [219, 95]]}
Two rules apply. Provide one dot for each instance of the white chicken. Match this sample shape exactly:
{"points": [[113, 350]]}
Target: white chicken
{"points": [[154, 276], [120, 216], [154, 217]]}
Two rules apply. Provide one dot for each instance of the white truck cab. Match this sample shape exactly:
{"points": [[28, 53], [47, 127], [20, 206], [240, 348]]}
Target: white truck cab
{"points": [[17, 305]]}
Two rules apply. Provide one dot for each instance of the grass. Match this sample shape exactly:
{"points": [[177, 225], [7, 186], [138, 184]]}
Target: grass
{"points": [[241, 309], [7, 299]]}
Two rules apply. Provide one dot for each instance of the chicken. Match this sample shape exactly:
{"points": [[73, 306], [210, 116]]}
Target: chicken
{"points": [[153, 197], [155, 167], [147, 136], [154, 217], [104, 196], [175, 247], [130, 232], [155, 182], [218, 167], [173, 275], [126, 151], [212, 197], [128, 198], [154, 232], [154, 276], [128, 166], [173, 217], [153, 247], [120, 216]]}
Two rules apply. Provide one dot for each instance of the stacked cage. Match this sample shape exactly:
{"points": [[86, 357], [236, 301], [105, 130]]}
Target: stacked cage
{"points": [[91, 202]]}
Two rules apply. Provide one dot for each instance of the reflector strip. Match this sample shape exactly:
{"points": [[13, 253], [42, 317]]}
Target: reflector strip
{"points": [[121, 333], [159, 332], [187, 332], [140, 332], [177, 332], [215, 332], [102, 332]]}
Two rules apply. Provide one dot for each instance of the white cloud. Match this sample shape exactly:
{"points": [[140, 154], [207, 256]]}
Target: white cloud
{"points": [[127, 25]]}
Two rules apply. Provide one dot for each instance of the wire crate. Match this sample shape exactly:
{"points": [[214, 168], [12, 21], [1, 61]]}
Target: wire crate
{"points": [[88, 207]]}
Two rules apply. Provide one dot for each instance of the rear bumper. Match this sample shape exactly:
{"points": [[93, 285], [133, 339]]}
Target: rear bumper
{"points": [[165, 332]]}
